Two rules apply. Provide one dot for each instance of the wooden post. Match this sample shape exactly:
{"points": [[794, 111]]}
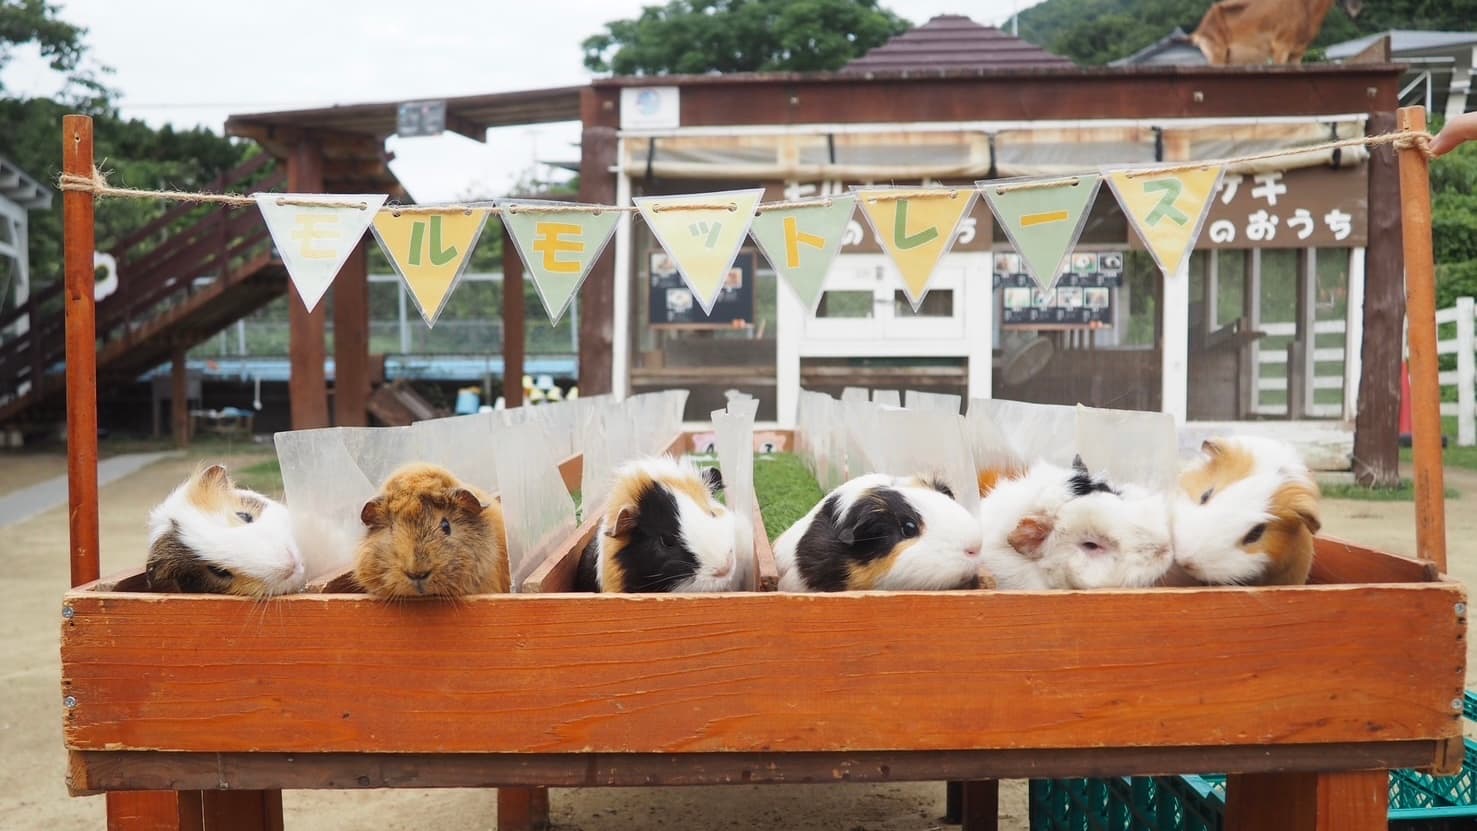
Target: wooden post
{"points": [[514, 339], [981, 806], [179, 402], [1251, 310], [597, 297], [522, 809], [81, 330], [307, 388], [1425, 384], [1306, 327], [1297, 387], [1351, 801], [1377, 423], [351, 340]]}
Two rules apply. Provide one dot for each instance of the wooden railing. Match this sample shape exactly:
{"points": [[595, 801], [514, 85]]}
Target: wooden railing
{"points": [[159, 266]]}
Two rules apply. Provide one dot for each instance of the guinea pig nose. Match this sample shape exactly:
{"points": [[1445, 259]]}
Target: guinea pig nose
{"points": [[418, 576], [972, 551], [724, 570]]}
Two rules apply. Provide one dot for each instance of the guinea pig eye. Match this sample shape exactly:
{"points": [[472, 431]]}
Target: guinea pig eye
{"points": [[446, 526], [1205, 497], [222, 573], [910, 528], [245, 517], [1254, 534], [669, 541]]}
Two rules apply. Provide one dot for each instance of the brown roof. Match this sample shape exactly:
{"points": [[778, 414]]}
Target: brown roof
{"points": [[954, 41]]}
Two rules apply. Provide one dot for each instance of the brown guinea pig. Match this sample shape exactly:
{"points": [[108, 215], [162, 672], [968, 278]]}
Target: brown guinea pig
{"points": [[431, 535]]}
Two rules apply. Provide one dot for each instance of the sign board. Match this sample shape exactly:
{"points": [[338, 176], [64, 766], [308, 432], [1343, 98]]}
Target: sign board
{"points": [[1081, 299], [1312, 207], [672, 302], [421, 118], [650, 108]]}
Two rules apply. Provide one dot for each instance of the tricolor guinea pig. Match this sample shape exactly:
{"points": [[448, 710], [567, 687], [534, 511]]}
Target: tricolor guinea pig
{"points": [[1059, 528], [881, 532], [431, 535], [1246, 513], [211, 537], [664, 531]]}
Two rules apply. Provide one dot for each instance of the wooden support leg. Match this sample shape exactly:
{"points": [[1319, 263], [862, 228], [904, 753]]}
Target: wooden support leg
{"points": [[1357, 801], [195, 811], [953, 802], [522, 809], [981, 805], [179, 402]]}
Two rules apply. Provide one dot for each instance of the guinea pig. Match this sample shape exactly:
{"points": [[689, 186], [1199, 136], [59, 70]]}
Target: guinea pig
{"points": [[431, 535], [663, 531], [1056, 528], [881, 532], [211, 537], [1245, 513]]}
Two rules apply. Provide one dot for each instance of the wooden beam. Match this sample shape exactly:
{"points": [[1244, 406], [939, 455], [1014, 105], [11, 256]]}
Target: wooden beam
{"points": [[179, 398], [351, 340], [1347, 801], [80, 323], [522, 809], [1377, 424], [514, 319], [597, 298], [307, 387]]}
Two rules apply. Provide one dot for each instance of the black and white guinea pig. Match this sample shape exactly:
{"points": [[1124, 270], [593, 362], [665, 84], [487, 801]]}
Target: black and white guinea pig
{"points": [[881, 532], [1060, 528], [663, 531], [211, 537]]}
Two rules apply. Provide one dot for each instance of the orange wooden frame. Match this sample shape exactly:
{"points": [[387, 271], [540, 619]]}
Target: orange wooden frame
{"points": [[188, 708]]}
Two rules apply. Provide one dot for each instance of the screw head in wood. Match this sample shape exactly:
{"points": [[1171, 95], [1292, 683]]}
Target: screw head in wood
{"points": [[1456, 704], [70, 702], [1461, 610], [67, 612], [1199, 97]]}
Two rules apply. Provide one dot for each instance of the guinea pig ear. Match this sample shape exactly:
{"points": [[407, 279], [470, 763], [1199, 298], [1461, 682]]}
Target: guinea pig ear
{"points": [[1211, 447], [373, 513], [159, 581], [467, 501], [1030, 535], [625, 522], [1301, 500], [1079, 466], [713, 478]]}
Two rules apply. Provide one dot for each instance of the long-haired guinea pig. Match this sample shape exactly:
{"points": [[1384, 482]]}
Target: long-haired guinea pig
{"points": [[664, 531], [881, 532], [1246, 513], [1056, 528], [211, 537], [430, 534]]}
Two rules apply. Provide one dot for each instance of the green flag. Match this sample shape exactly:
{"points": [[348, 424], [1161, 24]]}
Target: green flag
{"points": [[802, 241], [558, 242], [1043, 219]]}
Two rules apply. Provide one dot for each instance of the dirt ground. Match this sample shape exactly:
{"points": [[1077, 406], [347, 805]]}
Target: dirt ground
{"points": [[33, 795]]}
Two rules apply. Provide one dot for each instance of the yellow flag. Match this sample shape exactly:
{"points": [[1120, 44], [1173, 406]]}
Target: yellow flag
{"points": [[1167, 209], [430, 251], [916, 228]]}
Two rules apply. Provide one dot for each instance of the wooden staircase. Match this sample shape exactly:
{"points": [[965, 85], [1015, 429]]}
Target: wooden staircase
{"points": [[176, 288]]}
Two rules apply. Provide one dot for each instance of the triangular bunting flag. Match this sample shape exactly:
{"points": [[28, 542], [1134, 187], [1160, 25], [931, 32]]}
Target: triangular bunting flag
{"points": [[916, 227], [314, 240], [801, 241], [558, 246], [1042, 218], [702, 232], [1167, 209], [430, 251]]}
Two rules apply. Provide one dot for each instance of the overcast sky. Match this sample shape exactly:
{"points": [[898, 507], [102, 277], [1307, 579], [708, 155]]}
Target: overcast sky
{"points": [[193, 62]]}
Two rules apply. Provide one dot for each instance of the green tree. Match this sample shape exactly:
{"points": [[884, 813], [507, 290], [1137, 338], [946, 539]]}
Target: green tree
{"points": [[60, 43], [691, 37]]}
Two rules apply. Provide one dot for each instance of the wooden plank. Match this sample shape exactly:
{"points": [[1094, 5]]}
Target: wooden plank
{"points": [[597, 297], [251, 810], [766, 570], [514, 318], [1338, 561], [1425, 386], [179, 402], [96, 770], [306, 385], [1343, 801], [155, 811], [81, 327], [687, 673], [1377, 424], [557, 572], [522, 809], [980, 805], [351, 340]]}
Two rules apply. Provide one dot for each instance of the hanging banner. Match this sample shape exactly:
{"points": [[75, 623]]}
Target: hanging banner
{"points": [[1042, 219], [1167, 209], [314, 240], [916, 228], [429, 251], [702, 232], [558, 246], [800, 242]]}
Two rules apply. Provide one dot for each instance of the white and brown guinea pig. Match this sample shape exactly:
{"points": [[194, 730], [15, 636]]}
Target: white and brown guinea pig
{"points": [[1246, 513], [431, 535], [881, 532], [211, 537], [663, 531], [1056, 528]]}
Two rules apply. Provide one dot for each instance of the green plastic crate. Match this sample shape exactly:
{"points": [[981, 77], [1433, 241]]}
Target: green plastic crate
{"points": [[1418, 801]]}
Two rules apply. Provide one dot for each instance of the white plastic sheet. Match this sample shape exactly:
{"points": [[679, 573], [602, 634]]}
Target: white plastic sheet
{"points": [[928, 442], [611, 437], [1129, 446], [735, 429], [462, 445], [989, 446], [941, 402], [537, 507], [887, 398], [1036, 432]]}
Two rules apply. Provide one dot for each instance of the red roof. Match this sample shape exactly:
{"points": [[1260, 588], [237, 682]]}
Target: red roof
{"points": [[954, 41]]}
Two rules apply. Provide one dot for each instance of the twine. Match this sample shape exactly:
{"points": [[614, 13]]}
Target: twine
{"points": [[98, 186]]}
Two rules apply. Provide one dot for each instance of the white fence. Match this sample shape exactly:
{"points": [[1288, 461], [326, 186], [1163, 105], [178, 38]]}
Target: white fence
{"points": [[1329, 375]]}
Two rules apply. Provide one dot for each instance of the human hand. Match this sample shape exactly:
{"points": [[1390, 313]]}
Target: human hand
{"points": [[1457, 131]]}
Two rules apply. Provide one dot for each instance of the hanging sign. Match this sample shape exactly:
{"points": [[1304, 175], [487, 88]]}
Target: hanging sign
{"points": [[314, 240], [558, 247], [1167, 209], [1043, 220], [916, 228], [800, 242], [702, 232], [430, 252]]}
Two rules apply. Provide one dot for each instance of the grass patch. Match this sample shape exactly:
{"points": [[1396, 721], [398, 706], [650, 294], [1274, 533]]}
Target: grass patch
{"points": [[264, 477], [1453, 456], [785, 489], [1405, 492]]}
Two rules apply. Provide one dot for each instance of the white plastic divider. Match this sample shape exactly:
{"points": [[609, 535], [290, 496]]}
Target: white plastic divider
{"points": [[1129, 446], [943, 402], [537, 507], [735, 437]]}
